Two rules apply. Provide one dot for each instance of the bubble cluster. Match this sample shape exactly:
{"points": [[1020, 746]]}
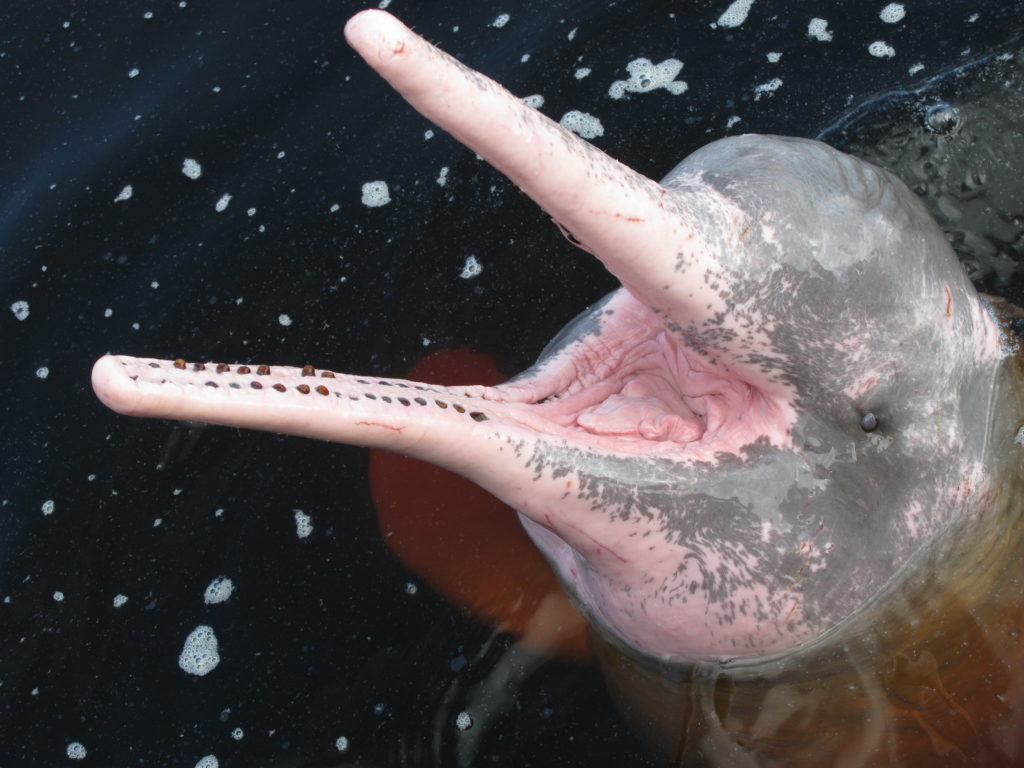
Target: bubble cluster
{"points": [[646, 76], [735, 14], [218, 591], [376, 194], [585, 125], [200, 655], [303, 524], [191, 168], [77, 750]]}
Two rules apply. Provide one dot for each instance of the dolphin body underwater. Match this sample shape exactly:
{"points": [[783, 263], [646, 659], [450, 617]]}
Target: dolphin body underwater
{"points": [[776, 469]]}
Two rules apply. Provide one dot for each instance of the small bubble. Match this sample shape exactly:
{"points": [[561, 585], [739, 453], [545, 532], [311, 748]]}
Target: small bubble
{"points": [[341, 744], [942, 118], [191, 168], [76, 750], [463, 722], [471, 268], [303, 524], [411, 589]]}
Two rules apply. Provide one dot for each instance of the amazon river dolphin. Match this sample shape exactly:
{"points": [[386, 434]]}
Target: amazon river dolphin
{"points": [[739, 451]]}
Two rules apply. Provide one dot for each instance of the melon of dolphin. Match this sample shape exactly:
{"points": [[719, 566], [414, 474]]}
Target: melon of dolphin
{"points": [[737, 450]]}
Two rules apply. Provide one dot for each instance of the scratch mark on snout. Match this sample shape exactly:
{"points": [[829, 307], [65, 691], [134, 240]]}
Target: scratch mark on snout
{"points": [[378, 424]]}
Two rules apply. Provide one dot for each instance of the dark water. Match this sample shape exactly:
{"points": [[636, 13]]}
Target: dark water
{"points": [[321, 638]]}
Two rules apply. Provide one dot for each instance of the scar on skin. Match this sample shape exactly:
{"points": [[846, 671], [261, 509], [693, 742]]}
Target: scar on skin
{"points": [[949, 301], [382, 426], [634, 219], [598, 544], [791, 611]]}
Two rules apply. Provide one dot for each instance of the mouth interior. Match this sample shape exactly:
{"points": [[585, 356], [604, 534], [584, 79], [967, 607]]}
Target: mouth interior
{"points": [[654, 395]]}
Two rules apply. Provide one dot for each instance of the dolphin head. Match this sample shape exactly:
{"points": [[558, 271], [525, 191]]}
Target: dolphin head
{"points": [[731, 454]]}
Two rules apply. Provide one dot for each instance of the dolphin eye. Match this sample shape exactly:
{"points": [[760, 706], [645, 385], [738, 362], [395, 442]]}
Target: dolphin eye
{"points": [[868, 422]]}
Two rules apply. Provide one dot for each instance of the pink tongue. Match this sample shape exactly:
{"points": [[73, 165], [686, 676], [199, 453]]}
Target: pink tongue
{"points": [[637, 411]]}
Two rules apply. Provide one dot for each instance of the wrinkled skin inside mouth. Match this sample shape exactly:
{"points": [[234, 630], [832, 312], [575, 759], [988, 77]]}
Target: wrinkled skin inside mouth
{"points": [[736, 451], [628, 385]]}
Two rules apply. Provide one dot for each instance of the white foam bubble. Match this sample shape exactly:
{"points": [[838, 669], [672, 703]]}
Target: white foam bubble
{"points": [[222, 204], [735, 14], [471, 268], [48, 506], [582, 72], [646, 76], [818, 29], [773, 57], [341, 744], [237, 734], [218, 591], [767, 89], [42, 372], [501, 20], [200, 654], [77, 750], [892, 13], [442, 177], [58, 596], [463, 721], [20, 310], [586, 125], [303, 524], [881, 49], [536, 101], [124, 194], [120, 600], [284, 319], [208, 762], [191, 168], [376, 194]]}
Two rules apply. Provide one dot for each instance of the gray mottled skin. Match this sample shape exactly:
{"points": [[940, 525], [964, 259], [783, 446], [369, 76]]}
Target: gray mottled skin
{"points": [[852, 253], [688, 453]]}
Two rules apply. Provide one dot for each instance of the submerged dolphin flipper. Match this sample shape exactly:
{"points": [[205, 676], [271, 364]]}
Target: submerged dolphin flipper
{"points": [[736, 451]]}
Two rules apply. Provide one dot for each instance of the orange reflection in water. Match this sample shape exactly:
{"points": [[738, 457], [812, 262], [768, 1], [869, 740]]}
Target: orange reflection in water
{"points": [[466, 544]]}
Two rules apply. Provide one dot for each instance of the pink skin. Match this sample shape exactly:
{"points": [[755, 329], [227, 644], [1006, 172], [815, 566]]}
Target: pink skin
{"points": [[634, 395]]}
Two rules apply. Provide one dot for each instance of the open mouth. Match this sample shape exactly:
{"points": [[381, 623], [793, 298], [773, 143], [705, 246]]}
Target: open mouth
{"points": [[627, 387]]}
